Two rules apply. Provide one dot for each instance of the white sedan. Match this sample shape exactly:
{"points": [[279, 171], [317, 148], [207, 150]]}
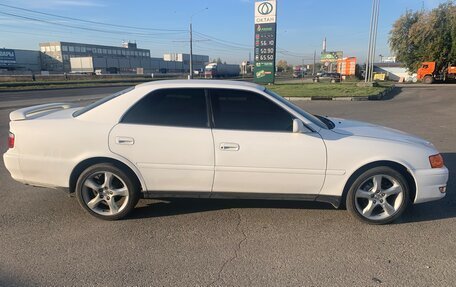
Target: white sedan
{"points": [[218, 139]]}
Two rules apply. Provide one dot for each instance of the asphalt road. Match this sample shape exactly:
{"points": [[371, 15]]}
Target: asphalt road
{"points": [[18, 99], [47, 239]]}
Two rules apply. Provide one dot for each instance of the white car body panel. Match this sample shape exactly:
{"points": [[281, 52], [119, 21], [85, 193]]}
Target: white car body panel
{"points": [[59, 143], [169, 158], [370, 150], [269, 162], [48, 147]]}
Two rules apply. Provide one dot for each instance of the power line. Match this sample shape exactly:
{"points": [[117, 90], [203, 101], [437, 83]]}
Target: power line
{"points": [[223, 45], [228, 43], [81, 28], [92, 22], [86, 37]]}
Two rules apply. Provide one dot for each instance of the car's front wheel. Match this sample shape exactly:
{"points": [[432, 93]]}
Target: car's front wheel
{"points": [[107, 192], [378, 196]]}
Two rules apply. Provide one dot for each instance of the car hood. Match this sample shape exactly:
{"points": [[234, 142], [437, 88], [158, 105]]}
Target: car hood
{"points": [[357, 128]]}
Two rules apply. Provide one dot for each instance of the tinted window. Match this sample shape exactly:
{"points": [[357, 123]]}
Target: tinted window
{"points": [[170, 107], [101, 101], [297, 109], [242, 110]]}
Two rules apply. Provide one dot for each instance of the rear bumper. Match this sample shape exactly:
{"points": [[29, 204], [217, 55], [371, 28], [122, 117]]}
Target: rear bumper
{"points": [[11, 161], [428, 182]]}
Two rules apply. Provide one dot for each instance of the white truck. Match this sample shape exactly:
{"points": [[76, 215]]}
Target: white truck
{"points": [[216, 70]]}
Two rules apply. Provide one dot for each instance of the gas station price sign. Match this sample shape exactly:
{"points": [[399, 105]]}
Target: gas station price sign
{"points": [[265, 41]]}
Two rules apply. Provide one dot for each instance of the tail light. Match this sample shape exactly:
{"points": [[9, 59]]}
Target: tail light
{"points": [[436, 161], [11, 140]]}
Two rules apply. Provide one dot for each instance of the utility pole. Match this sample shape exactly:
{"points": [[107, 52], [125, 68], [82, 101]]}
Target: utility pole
{"points": [[372, 41], [191, 52], [190, 76], [313, 67], [374, 46]]}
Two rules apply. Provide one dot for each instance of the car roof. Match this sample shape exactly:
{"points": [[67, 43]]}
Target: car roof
{"points": [[200, 84]]}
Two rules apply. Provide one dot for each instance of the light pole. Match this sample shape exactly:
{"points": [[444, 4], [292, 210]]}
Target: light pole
{"points": [[372, 41], [190, 76]]}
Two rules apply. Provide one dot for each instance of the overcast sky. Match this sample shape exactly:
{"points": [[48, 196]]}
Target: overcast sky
{"points": [[224, 30]]}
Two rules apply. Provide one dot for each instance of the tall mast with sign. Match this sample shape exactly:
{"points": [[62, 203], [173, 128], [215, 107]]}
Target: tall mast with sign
{"points": [[265, 41]]}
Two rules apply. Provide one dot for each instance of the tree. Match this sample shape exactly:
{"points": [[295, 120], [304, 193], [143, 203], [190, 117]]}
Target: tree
{"points": [[425, 36], [400, 42], [282, 66]]}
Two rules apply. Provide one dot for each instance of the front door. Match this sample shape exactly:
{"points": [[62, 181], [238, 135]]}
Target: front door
{"points": [[256, 150]]}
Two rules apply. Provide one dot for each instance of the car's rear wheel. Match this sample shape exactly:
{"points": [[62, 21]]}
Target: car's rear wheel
{"points": [[107, 192], [378, 196]]}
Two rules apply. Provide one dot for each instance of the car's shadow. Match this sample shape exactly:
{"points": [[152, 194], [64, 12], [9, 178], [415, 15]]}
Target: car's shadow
{"points": [[179, 206], [437, 210]]}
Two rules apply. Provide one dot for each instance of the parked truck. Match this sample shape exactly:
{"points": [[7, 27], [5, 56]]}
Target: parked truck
{"points": [[216, 70], [299, 71], [431, 72]]}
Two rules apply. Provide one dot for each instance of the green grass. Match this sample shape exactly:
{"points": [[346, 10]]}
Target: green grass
{"points": [[325, 90], [285, 90]]}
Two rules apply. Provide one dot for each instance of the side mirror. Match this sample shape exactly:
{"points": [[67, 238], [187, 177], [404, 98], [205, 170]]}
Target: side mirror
{"points": [[298, 126]]}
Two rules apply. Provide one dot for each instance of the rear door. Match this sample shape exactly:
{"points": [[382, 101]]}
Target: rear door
{"points": [[167, 136], [256, 150]]}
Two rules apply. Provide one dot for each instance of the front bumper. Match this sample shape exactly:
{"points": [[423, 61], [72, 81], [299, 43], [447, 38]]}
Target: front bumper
{"points": [[428, 182]]}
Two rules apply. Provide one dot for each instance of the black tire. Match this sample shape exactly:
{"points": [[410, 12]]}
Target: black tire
{"points": [[387, 175], [428, 79], [120, 180]]}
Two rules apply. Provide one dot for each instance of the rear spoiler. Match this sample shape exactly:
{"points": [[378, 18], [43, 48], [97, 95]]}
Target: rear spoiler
{"points": [[35, 111]]}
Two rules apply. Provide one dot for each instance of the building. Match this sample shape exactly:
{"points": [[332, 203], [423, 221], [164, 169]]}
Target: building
{"points": [[393, 71], [156, 65], [346, 66], [55, 57], [127, 58], [19, 61], [182, 61]]}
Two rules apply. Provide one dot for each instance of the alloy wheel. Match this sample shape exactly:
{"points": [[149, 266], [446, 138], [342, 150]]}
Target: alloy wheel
{"points": [[105, 193], [379, 197]]}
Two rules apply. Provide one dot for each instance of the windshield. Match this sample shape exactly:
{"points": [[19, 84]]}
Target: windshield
{"points": [[101, 101], [297, 109]]}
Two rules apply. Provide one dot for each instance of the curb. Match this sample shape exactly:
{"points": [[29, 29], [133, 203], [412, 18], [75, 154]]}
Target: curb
{"points": [[380, 96]]}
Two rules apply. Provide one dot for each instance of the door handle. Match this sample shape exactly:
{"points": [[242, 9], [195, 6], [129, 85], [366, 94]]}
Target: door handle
{"points": [[229, 146], [125, 140]]}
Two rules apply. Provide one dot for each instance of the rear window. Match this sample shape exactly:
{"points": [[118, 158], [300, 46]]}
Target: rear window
{"points": [[100, 102], [170, 107]]}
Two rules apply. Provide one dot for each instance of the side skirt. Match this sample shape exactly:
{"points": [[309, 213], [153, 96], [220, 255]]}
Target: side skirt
{"points": [[334, 200]]}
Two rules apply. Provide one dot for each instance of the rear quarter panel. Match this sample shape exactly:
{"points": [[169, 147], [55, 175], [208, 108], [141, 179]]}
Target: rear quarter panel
{"points": [[49, 149]]}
